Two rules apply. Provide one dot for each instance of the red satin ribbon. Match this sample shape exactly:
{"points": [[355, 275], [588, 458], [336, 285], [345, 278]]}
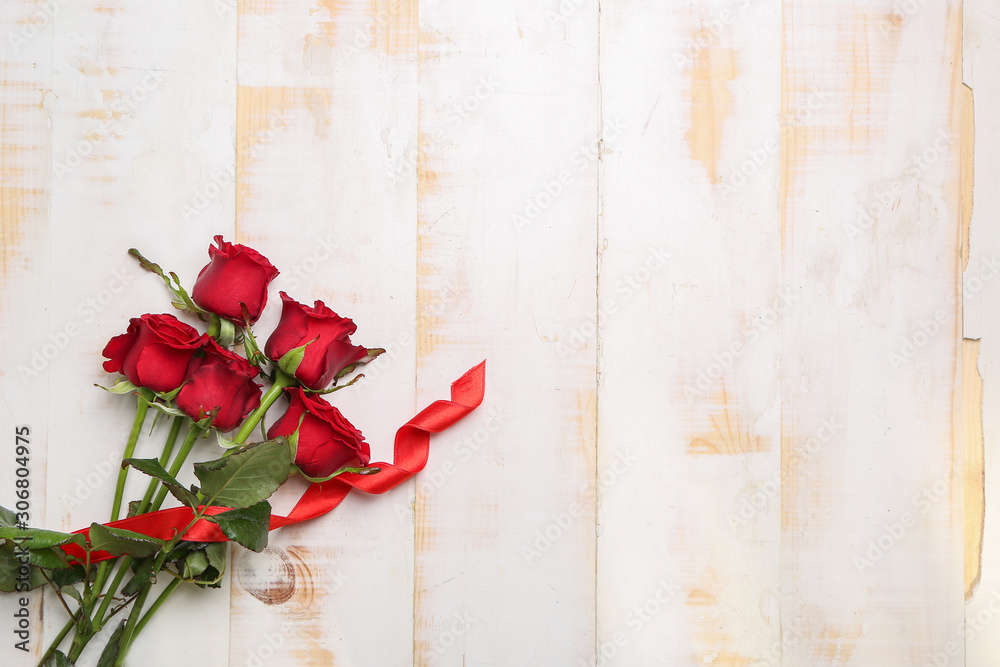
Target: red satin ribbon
{"points": [[409, 457]]}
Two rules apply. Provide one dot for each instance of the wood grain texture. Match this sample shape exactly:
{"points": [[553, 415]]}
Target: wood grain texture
{"points": [[742, 402], [506, 270], [872, 529], [981, 293], [689, 298], [144, 101], [326, 120], [25, 327], [972, 381]]}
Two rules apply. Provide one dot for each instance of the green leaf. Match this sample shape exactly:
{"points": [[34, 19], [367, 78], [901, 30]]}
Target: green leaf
{"points": [[183, 301], [8, 518], [71, 592], [119, 542], [58, 659], [143, 575], [290, 360], [153, 468], [12, 576], [166, 409], [121, 386], [170, 395], [226, 442], [373, 352], [322, 392], [49, 559], [363, 470], [227, 333], [111, 649], [217, 552], [254, 355], [246, 477], [133, 508], [36, 538], [182, 549], [70, 576], [247, 526], [195, 563]]}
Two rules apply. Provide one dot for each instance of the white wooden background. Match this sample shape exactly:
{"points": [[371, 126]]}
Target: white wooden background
{"points": [[739, 410]]}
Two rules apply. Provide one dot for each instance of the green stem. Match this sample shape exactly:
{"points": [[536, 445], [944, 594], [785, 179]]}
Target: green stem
{"points": [[133, 438], [281, 380], [168, 449], [109, 596], [192, 436], [171, 587], [126, 561], [133, 618], [128, 636], [193, 433], [70, 624]]}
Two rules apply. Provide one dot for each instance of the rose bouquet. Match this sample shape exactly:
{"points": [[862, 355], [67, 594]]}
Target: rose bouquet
{"points": [[208, 383]]}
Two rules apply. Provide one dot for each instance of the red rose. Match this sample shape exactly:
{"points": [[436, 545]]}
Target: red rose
{"points": [[236, 274], [218, 378], [153, 352], [327, 441], [325, 357]]}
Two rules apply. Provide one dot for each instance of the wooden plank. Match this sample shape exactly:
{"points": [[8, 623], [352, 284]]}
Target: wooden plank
{"points": [[688, 444], [326, 127], [981, 291], [710, 252], [30, 342], [506, 269], [139, 122], [872, 518]]}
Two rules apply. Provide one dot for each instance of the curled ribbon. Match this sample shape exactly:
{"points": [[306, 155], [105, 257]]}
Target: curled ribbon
{"points": [[410, 452]]}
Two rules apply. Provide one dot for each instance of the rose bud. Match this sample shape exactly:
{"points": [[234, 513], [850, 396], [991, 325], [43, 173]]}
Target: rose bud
{"points": [[329, 352], [236, 274], [326, 440], [153, 352], [218, 379]]}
